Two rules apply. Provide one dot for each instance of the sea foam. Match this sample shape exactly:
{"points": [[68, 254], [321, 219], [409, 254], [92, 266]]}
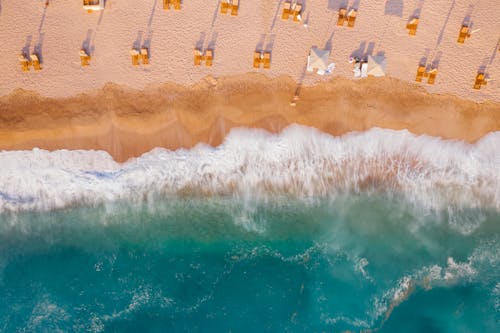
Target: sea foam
{"points": [[301, 162]]}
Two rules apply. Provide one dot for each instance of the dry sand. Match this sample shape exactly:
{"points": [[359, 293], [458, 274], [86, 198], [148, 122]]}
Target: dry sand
{"points": [[128, 110], [127, 122], [59, 31]]}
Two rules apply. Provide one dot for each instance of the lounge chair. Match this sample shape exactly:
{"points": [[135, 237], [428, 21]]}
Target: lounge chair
{"points": [[267, 60], [209, 57], [342, 17], [145, 56], [351, 18], [166, 4], [286, 10], [480, 80], [432, 76], [35, 62], [25, 63], [135, 57], [177, 4], [464, 33], [296, 12], [257, 59], [234, 8], [84, 58], [224, 6], [420, 73], [412, 26], [197, 57]]}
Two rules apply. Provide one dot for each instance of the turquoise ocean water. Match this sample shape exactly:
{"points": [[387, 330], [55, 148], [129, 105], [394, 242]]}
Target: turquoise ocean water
{"points": [[414, 248]]}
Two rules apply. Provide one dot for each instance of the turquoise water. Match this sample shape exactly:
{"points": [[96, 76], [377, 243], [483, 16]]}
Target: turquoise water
{"points": [[183, 263]]}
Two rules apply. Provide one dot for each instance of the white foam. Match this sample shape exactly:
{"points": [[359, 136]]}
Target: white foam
{"points": [[300, 161]]}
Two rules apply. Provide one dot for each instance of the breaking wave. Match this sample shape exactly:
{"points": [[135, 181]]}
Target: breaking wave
{"points": [[300, 162]]}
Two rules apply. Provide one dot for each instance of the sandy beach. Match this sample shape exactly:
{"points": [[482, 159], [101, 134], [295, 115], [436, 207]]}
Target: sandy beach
{"points": [[127, 122], [127, 110]]}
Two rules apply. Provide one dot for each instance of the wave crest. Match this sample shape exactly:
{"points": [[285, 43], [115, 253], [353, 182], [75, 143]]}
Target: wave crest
{"points": [[300, 162]]}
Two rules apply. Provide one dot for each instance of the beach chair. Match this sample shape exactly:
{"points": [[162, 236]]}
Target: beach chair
{"points": [[135, 57], [177, 4], [257, 59], [412, 26], [463, 34], [84, 58], [267, 60], [351, 18], [420, 73], [286, 11], [145, 56], [432, 76], [234, 8], [224, 6], [480, 80], [35, 62], [25, 63], [166, 4], [197, 57], [342, 17], [209, 57], [296, 12]]}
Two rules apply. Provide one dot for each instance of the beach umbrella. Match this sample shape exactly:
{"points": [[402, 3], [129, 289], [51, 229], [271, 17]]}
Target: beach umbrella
{"points": [[318, 60], [376, 65]]}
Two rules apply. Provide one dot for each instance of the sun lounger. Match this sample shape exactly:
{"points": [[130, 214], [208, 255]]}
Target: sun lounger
{"points": [[25, 63], [420, 73], [166, 4], [480, 80], [84, 58], [464, 33], [342, 17], [234, 8], [145, 56], [135, 57], [267, 60], [177, 4], [286, 11], [351, 18], [296, 12], [432, 76], [35, 62], [224, 6], [257, 59], [197, 57], [209, 57], [412, 26]]}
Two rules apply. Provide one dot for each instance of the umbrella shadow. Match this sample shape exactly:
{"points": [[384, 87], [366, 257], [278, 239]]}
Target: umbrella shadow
{"points": [[441, 33], [337, 4], [394, 8], [38, 47], [417, 11], [26, 49], [138, 40], [87, 43], [213, 41]]}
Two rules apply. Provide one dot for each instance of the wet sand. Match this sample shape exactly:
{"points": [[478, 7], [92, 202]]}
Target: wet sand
{"points": [[126, 122]]}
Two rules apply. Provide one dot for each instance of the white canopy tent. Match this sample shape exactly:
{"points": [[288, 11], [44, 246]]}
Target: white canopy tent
{"points": [[317, 61], [376, 65]]}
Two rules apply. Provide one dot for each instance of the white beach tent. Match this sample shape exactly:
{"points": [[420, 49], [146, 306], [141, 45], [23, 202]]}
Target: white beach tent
{"points": [[376, 65], [91, 5], [317, 61]]}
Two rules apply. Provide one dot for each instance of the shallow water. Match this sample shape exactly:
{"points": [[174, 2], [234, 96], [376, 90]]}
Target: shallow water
{"points": [[381, 231]]}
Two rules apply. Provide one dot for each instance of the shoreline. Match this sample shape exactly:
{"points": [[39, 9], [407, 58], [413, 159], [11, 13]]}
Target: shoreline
{"points": [[127, 123]]}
